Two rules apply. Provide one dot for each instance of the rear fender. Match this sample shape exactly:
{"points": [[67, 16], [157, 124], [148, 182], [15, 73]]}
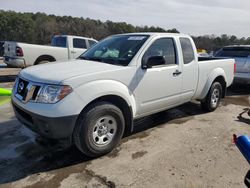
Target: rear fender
{"points": [[211, 78]]}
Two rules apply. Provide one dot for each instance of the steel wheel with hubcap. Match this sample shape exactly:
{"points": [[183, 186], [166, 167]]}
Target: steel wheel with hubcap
{"points": [[99, 129], [104, 130], [215, 98]]}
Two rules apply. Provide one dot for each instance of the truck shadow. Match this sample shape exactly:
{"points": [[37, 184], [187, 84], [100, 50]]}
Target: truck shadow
{"points": [[238, 89], [177, 115], [21, 155]]}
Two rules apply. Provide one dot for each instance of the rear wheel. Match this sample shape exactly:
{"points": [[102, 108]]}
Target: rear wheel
{"points": [[99, 129], [212, 100], [42, 62]]}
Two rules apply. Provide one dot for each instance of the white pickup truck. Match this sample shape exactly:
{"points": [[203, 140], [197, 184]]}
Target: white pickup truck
{"points": [[93, 100], [63, 47]]}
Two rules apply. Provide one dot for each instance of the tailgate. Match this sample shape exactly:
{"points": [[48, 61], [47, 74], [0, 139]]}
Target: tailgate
{"points": [[10, 49]]}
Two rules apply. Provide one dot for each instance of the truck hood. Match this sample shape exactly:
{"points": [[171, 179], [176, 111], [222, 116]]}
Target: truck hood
{"points": [[55, 73]]}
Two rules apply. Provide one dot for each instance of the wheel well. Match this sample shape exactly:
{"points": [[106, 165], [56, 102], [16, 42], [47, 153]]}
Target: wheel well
{"points": [[223, 83], [122, 105], [44, 58]]}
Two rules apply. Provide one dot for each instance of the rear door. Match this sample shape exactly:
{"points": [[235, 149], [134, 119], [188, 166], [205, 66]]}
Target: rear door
{"points": [[79, 46], [190, 69]]}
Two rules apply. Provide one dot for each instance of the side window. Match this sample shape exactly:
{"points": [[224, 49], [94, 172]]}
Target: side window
{"points": [[79, 43], [164, 49], [91, 43], [187, 50], [59, 42]]}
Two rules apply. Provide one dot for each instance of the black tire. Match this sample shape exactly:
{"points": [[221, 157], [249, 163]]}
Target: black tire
{"points": [[210, 103], [42, 62], [247, 179], [89, 123]]}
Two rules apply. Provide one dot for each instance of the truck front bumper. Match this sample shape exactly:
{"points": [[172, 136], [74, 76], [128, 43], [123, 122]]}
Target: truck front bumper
{"points": [[50, 127], [14, 62]]}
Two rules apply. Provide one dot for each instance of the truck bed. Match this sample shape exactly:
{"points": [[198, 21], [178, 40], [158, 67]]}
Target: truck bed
{"points": [[209, 66]]}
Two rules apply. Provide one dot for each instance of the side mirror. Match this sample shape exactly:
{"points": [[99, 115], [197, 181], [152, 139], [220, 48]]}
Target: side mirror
{"points": [[153, 61]]}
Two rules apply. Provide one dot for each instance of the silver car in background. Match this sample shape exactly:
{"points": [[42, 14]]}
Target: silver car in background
{"points": [[241, 54]]}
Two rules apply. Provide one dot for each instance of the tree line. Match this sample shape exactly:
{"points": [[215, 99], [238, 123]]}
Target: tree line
{"points": [[39, 28], [213, 42]]}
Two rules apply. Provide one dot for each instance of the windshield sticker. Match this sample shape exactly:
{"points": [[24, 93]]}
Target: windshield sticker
{"points": [[136, 38]]}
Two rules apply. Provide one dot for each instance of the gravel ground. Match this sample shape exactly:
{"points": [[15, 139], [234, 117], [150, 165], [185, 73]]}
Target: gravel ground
{"points": [[182, 147]]}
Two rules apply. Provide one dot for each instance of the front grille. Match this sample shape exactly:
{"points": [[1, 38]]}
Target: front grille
{"points": [[22, 87], [26, 91]]}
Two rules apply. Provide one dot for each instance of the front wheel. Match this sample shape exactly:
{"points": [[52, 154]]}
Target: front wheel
{"points": [[212, 100], [99, 129]]}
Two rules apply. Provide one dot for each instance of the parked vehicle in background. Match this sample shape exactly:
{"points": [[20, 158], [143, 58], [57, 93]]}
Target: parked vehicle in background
{"points": [[62, 47], [241, 54], [1, 49], [93, 100]]}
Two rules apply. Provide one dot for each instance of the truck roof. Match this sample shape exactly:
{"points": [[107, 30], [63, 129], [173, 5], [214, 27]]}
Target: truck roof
{"points": [[75, 36], [156, 34]]}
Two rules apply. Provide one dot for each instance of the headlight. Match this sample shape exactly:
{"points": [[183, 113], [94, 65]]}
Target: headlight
{"points": [[53, 93]]}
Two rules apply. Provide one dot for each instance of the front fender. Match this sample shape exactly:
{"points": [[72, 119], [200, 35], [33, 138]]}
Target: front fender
{"points": [[95, 89], [212, 76]]}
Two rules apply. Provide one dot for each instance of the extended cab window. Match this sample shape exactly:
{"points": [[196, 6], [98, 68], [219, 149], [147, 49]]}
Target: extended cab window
{"points": [[187, 50], [164, 49], [79, 43]]}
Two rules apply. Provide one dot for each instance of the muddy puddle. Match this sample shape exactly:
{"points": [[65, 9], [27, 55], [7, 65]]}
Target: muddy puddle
{"points": [[21, 154]]}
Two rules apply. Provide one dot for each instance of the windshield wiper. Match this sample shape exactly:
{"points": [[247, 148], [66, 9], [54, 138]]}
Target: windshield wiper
{"points": [[91, 58], [103, 60]]}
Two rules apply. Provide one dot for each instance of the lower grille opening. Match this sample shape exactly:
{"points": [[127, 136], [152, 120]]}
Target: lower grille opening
{"points": [[26, 116]]}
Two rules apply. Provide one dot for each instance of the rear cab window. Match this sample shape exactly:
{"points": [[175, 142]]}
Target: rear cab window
{"points": [[79, 43], [187, 50], [59, 42]]}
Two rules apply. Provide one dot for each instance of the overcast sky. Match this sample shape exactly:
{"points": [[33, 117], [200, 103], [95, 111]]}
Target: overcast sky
{"points": [[196, 17]]}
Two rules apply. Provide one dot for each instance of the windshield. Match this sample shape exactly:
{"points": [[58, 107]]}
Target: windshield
{"points": [[117, 50], [59, 42], [233, 52]]}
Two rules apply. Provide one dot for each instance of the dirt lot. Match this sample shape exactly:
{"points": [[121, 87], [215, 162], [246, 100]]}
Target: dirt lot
{"points": [[183, 147]]}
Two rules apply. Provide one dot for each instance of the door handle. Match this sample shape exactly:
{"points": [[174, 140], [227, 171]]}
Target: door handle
{"points": [[176, 73], [73, 52]]}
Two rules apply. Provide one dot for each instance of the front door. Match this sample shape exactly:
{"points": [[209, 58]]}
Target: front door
{"points": [[159, 86]]}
